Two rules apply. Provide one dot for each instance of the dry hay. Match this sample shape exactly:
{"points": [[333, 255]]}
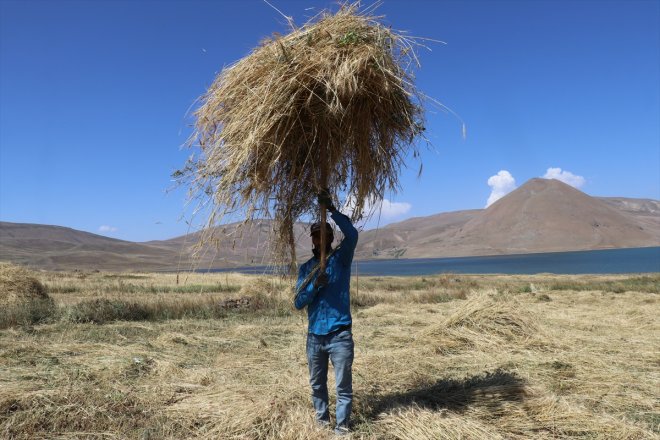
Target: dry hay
{"points": [[423, 424], [538, 417], [488, 314], [330, 105], [271, 294], [240, 414], [485, 319], [18, 285], [263, 286], [546, 416], [258, 390]]}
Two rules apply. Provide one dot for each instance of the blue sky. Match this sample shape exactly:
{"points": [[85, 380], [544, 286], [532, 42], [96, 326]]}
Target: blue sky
{"points": [[94, 98]]}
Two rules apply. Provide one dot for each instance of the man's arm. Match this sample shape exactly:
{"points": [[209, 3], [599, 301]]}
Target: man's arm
{"points": [[307, 294], [347, 248], [349, 243]]}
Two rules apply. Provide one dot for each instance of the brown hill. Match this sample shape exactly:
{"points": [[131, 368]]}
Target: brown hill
{"points": [[405, 238], [234, 248], [645, 211], [636, 207], [56, 247], [548, 215], [540, 216]]}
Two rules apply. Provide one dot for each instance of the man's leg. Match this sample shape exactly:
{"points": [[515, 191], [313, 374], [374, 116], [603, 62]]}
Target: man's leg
{"points": [[341, 349], [317, 361]]}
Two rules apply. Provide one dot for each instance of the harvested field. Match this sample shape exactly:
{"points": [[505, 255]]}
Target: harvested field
{"points": [[441, 357]]}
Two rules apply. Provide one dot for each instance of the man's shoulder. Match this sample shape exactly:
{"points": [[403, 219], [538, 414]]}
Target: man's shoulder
{"points": [[307, 264]]}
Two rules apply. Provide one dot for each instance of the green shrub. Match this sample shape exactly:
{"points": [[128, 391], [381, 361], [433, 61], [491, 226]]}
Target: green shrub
{"points": [[35, 311], [100, 311], [645, 283]]}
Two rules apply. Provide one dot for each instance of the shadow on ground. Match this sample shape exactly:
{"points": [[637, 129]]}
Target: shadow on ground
{"points": [[490, 390]]}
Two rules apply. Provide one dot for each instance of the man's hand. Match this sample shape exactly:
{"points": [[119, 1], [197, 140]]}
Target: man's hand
{"points": [[321, 280], [325, 199]]}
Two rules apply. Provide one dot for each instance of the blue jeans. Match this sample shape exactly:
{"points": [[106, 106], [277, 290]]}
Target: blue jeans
{"points": [[338, 348]]}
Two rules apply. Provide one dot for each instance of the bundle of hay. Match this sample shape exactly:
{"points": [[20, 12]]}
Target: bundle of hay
{"points": [[18, 286], [485, 319], [23, 299], [330, 105], [488, 315]]}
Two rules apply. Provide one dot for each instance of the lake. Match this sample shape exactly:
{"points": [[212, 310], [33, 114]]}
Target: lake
{"points": [[635, 260]]}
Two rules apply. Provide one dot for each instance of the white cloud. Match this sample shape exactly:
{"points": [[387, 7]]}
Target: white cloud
{"points": [[501, 184], [390, 209], [106, 228], [384, 208], [565, 176]]}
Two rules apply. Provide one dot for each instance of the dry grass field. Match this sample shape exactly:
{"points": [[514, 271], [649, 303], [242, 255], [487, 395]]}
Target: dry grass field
{"points": [[221, 356]]}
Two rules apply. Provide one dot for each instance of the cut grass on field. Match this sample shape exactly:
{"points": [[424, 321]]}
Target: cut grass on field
{"points": [[648, 283], [490, 361]]}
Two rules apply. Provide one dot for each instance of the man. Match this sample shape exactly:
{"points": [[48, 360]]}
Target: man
{"points": [[327, 298]]}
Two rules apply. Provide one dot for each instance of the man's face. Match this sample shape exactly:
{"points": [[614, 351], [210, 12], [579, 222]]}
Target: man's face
{"points": [[316, 239]]}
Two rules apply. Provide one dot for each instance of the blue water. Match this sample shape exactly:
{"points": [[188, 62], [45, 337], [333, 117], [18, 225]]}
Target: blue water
{"points": [[636, 260]]}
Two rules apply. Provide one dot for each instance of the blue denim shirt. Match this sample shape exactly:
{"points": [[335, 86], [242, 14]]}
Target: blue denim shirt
{"points": [[329, 307]]}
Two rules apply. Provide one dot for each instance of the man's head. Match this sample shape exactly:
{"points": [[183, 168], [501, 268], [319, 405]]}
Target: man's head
{"points": [[315, 233]]}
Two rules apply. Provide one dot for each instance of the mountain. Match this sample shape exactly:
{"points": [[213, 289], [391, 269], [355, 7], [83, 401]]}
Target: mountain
{"points": [[56, 247], [540, 216], [235, 248], [411, 236], [636, 207]]}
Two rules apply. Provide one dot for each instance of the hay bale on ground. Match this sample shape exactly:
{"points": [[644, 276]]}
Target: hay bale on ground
{"points": [[18, 285], [265, 293], [415, 423], [23, 299], [481, 319], [505, 318], [330, 105]]}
